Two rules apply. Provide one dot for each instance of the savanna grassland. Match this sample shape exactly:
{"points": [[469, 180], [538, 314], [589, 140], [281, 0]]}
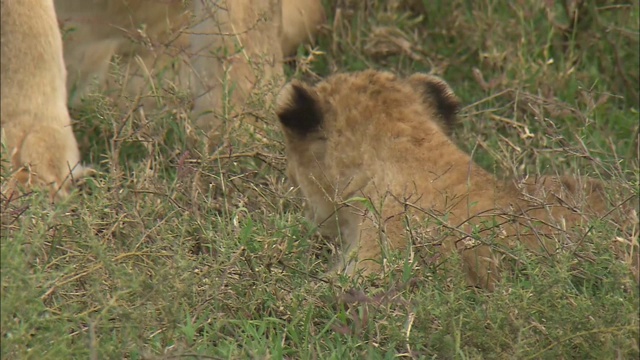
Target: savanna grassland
{"points": [[171, 252]]}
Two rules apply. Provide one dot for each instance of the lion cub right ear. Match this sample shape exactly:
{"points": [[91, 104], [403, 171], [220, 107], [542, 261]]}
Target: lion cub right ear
{"points": [[438, 96], [298, 108]]}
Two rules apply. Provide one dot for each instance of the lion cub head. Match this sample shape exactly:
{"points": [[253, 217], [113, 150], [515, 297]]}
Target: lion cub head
{"points": [[360, 135], [335, 128]]}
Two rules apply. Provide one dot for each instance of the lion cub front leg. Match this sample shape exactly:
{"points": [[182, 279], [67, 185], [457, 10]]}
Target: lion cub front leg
{"points": [[360, 251], [480, 267]]}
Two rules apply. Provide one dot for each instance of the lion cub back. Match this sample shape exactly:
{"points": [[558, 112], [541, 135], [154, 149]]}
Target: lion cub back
{"points": [[36, 127]]}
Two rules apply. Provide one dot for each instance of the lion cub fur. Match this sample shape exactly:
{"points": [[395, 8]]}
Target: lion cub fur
{"points": [[371, 154], [36, 127]]}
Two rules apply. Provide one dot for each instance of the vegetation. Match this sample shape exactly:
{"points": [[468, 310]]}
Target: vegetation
{"points": [[173, 253]]}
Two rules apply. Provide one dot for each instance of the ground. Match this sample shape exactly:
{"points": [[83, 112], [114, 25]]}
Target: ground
{"points": [[168, 253]]}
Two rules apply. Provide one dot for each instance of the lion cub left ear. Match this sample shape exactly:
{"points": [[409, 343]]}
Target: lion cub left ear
{"points": [[439, 96], [298, 108]]}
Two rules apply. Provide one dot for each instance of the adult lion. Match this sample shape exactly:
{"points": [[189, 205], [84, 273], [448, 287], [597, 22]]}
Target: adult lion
{"points": [[223, 51]]}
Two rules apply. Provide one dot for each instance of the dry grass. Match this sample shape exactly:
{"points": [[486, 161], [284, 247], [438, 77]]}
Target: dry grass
{"points": [[173, 253]]}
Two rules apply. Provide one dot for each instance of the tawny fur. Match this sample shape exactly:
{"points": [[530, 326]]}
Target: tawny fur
{"points": [[300, 22], [216, 50], [372, 156], [36, 126]]}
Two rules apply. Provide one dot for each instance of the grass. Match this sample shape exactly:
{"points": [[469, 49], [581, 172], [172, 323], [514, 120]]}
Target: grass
{"points": [[171, 254]]}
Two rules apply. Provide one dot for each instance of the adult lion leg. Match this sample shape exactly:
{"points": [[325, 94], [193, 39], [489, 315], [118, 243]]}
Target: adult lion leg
{"points": [[142, 33], [36, 126], [300, 22], [236, 60]]}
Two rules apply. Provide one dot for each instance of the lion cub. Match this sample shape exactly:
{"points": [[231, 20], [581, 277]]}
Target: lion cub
{"points": [[36, 126], [372, 156]]}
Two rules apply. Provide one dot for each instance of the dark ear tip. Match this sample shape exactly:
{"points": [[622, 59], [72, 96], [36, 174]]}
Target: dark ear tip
{"points": [[298, 109], [436, 92], [286, 95]]}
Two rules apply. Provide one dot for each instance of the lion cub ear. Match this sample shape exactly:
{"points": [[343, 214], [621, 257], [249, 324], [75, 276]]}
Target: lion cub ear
{"points": [[298, 108], [437, 95]]}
